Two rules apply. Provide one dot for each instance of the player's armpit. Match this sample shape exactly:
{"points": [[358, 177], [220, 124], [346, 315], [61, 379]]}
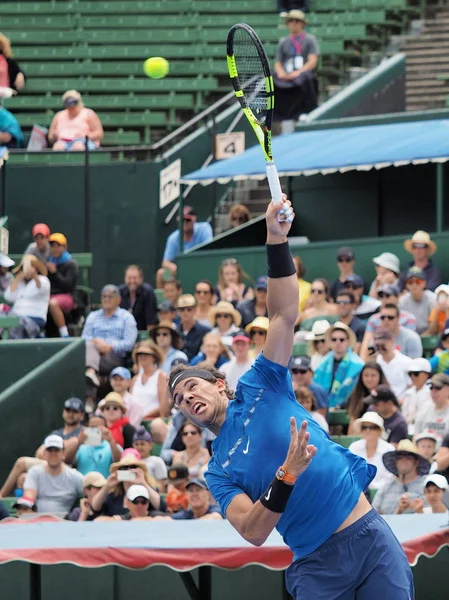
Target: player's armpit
{"points": [[254, 522]]}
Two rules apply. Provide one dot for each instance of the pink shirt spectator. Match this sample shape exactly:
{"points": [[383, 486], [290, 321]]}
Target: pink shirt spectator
{"points": [[406, 319], [78, 127]]}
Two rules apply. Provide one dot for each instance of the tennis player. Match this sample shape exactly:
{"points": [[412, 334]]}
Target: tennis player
{"points": [[267, 473]]}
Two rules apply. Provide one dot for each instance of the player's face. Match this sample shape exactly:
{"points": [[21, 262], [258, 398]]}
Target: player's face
{"points": [[202, 402]]}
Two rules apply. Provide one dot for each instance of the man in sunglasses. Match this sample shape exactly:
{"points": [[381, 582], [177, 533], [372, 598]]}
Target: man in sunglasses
{"points": [[419, 301], [422, 247], [435, 418], [365, 305], [395, 365], [346, 305], [192, 332], [138, 503], [345, 263], [406, 341], [302, 375]]}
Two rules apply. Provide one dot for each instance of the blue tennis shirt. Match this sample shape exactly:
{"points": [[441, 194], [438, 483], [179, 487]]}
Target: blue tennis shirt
{"points": [[253, 443]]}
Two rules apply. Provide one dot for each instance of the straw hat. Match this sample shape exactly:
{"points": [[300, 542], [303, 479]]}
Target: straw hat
{"points": [[112, 398], [95, 479], [226, 308], [34, 261], [296, 14], [342, 327], [420, 237], [129, 461], [150, 348], [258, 323], [176, 339], [319, 329], [373, 418], [405, 448]]}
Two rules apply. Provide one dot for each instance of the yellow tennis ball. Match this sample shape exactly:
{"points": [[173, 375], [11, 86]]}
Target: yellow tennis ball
{"points": [[156, 67]]}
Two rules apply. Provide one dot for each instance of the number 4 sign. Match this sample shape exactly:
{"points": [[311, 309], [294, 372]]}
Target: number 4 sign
{"points": [[169, 189], [228, 145]]}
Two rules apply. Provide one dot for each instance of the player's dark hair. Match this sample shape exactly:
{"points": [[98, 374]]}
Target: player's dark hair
{"points": [[392, 307], [215, 375], [356, 399], [347, 293]]}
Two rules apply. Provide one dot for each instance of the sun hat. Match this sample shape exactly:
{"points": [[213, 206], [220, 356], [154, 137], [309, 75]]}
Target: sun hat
{"points": [[128, 460], [258, 323], [296, 14], [341, 327], [112, 398], [405, 448], [186, 301], [150, 348], [227, 308], [420, 237], [318, 331], [389, 261], [137, 491], [371, 417], [176, 338], [35, 262], [5, 261], [94, 479], [438, 480]]}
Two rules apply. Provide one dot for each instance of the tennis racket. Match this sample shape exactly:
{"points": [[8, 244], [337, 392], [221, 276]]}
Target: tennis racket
{"points": [[251, 78]]}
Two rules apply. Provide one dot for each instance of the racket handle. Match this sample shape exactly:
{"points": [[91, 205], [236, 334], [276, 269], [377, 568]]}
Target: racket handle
{"points": [[274, 183]]}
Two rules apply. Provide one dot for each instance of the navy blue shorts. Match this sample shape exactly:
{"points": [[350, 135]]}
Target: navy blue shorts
{"points": [[365, 561]]}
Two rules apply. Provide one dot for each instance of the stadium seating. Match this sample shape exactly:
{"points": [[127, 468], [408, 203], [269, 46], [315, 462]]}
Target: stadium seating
{"points": [[98, 48]]}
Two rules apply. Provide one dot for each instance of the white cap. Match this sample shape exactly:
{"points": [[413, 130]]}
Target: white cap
{"points": [[426, 436], [419, 364], [371, 417], [137, 491], [54, 441], [5, 261], [389, 261], [443, 289], [439, 480]]}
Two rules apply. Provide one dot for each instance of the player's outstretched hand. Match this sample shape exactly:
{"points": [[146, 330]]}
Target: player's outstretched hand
{"points": [[300, 453], [279, 217]]}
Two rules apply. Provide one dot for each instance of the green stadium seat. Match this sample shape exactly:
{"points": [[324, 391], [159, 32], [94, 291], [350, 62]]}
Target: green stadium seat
{"points": [[344, 440], [338, 417], [57, 158], [121, 138], [39, 8], [300, 349], [122, 84], [140, 36], [38, 22], [429, 344], [35, 36], [9, 503], [111, 102], [143, 22], [138, 8]]}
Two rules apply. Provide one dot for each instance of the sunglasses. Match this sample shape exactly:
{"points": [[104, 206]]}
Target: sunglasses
{"points": [[187, 308], [417, 245], [369, 427], [315, 291], [162, 334], [257, 332], [344, 302], [388, 317], [323, 341], [141, 501], [223, 316], [296, 371], [203, 292], [432, 386], [345, 259], [351, 286], [126, 467], [92, 487], [384, 295], [415, 281], [72, 410], [111, 407], [381, 347], [414, 373], [186, 433], [334, 339]]}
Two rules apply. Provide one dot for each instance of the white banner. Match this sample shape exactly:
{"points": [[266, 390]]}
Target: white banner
{"points": [[169, 188], [228, 145], [4, 240]]}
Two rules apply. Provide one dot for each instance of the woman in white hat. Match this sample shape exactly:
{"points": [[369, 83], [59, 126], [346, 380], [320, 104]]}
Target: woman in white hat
{"points": [[318, 344], [372, 447], [387, 268]]}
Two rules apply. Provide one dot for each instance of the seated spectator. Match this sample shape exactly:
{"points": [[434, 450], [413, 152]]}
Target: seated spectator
{"points": [[387, 294], [6, 276], [25, 507], [97, 454], [239, 215], [419, 301], [405, 340], [63, 275], [41, 245], [421, 247], [305, 287], [111, 499], [306, 398], [434, 417], [194, 234], [138, 298], [148, 387], [167, 312], [172, 289], [11, 134], [366, 306], [257, 307], [394, 364], [426, 444], [143, 443], [434, 488], [440, 361], [192, 332], [53, 486], [339, 370], [213, 352], [200, 501], [319, 305], [403, 493], [173, 440], [257, 330], [417, 397], [371, 376], [93, 482], [372, 447], [294, 70], [11, 75], [109, 333], [120, 379], [139, 505], [177, 498], [383, 401], [241, 361], [29, 294], [318, 344], [345, 264], [113, 410], [346, 306], [70, 127], [441, 458], [302, 376], [169, 340], [388, 268], [205, 299], [225, 321], [195, 457], [231, 287], [440, 312]]}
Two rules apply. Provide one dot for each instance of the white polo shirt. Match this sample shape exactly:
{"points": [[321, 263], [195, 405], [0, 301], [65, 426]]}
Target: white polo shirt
{"points": [[396, 372]]}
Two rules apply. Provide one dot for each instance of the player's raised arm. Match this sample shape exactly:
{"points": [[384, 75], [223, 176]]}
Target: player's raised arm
{"points": [[283, 292]]}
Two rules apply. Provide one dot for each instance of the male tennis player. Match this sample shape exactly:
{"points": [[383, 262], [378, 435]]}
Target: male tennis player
{"points": [[265, 474]]}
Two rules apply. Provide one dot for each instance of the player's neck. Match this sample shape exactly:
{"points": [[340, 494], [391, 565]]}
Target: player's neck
{"points": [[216, 425]]}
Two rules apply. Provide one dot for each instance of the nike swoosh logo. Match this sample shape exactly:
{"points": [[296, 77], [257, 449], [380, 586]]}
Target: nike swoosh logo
{"points": [[245, 451], [267, 497]]}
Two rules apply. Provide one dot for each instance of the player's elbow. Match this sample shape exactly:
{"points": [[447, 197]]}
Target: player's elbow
{"points": [[254, 537]]}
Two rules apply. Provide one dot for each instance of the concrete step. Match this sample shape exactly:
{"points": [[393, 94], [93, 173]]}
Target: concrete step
{"points": [[412, 94], [415, 107], [428, 83], [424, 74], [425, 60], [433, 37], [427, 52]]}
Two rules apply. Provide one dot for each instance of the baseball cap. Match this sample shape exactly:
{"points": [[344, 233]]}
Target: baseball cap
{"points": [[240, 336], [166, 306], [426, 435], [122, 372], [186, 300], [262, 283], [178, 473], [5, 261], [95, 479], [382, 334], [345, 252], [24, 502], [381, 394], [41, 228], [142, 435], [440, 380], [54, 441], [438, 480], [137, 491], [59, 238], [188, 213], [390, 289], [418, 365], [199, 482], [356, 280], [74, 404], [302, 363], [415, 272]]}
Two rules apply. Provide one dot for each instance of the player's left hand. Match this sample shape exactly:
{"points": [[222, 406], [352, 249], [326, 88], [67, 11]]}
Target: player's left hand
{"points": [[279, 217], [300, 453]]}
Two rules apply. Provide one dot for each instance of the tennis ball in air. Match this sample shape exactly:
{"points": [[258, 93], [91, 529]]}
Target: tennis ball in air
{"points": [[156, 67]]}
